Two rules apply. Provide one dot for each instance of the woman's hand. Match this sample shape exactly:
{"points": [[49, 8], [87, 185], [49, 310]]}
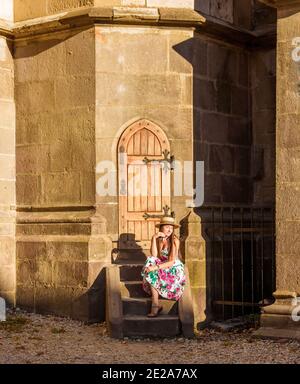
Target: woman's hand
{"points": [[151, 268], [159, 234]]}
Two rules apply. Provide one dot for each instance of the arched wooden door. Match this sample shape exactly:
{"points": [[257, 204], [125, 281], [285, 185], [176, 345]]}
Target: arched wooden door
{"points": [[144, 183]]}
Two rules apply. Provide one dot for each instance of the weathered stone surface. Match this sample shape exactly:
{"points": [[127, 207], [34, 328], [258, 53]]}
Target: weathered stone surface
{"points": [[128, 57], [214, 127], [221, 159], [170, 3], [7, 277], [242, 159], [288, 208], [286, 126], [7, 164], [236, 189], [130, 90], [264, 95], [277, 316], [54, 6], [202, 5], [205, 94], [222, 9], [240, 101], [142, 13], [223, 62], [26, 10]]}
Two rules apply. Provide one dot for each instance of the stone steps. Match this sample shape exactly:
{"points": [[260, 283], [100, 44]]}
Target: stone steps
{"points": [[130, 304], [162, 326], [132, 289], [130, 257], [142, 306], [136, 304], [130, 272]]}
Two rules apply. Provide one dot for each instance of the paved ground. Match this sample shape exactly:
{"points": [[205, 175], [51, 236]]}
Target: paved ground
{"points": [[31, 338]]}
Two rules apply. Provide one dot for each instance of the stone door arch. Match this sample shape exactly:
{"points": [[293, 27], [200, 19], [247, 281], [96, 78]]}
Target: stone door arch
{"points": [[144, 187]]}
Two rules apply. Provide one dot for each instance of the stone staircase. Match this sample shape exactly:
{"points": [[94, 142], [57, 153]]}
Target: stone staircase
{"points": [[127, 305]]}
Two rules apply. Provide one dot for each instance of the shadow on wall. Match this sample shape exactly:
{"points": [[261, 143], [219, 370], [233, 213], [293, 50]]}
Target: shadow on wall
{"points": [[128, 250], [222, 117], [93, 301], [221, 124]]}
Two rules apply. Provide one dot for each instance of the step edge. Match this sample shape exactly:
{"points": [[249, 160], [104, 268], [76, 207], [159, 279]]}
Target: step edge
{"points": [[129, 317], [131, 281]]}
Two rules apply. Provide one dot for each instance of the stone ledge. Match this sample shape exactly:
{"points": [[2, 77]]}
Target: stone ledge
{"points": [[55, 217], [90, 16], [177, 17], [6, 28], [280, 3], [181, 15], [128, 14]]}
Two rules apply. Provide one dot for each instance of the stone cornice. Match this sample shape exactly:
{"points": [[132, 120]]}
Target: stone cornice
{"points": [[176, 17], [281, 3], [6, 29], [265, 37], [90, 16]]}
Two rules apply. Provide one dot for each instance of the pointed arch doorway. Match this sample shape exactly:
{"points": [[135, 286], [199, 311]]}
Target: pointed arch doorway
{"points": [[144, 184]]}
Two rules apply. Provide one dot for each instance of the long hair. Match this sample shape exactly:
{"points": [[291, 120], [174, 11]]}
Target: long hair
{"points": [[172, 241]]}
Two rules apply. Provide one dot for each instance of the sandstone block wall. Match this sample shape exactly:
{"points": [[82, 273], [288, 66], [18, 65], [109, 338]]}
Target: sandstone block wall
{"points": [[7, 172], [287, 156], [55, 95], [139, 74], [222, 120], [55, 145], [263, 89], [248, 14]]}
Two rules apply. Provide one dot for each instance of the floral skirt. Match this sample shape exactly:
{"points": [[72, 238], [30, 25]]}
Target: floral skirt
{"points": [[169, 282]]}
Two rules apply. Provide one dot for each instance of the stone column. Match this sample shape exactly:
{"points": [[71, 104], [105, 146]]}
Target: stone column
{"points": [[7, 156], [195, 260], [277, 319]]}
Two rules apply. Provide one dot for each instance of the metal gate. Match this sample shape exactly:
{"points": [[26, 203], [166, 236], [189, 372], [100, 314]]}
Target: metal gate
{"points": [[242, 259]]}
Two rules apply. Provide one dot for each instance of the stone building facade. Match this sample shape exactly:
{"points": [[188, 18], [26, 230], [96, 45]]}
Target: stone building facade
{"points": [[76, 76]]}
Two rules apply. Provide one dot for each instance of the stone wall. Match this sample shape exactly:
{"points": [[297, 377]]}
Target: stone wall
{"points": [[262, 15], [287, 159], [141, 74], [245, 14], [59, 256], [222, 123], [28, 9], [263, 85], [55, 95], [7, 172], [221, 9]]}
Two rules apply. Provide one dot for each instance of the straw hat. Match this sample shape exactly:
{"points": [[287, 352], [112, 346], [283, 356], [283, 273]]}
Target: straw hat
{"points": [[167, 220]]}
